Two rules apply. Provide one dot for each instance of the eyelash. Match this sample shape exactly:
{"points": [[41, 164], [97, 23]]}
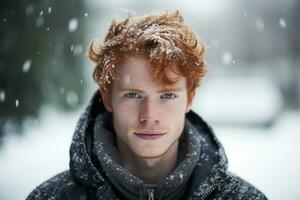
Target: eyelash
{"points": [[171, 94], [130, 93], [135, 97]]}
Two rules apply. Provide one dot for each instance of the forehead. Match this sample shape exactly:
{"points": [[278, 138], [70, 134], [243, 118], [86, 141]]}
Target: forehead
{"points": [[137, 71]]}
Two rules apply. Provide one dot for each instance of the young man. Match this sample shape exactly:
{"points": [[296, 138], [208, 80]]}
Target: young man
{"points": [[139, 138]]}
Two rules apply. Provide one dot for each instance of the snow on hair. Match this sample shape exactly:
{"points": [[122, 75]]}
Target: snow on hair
{"points": [[164, 39]]}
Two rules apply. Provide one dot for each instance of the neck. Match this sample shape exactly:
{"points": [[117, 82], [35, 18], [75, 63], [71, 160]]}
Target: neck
{"points": [[150, 170]]}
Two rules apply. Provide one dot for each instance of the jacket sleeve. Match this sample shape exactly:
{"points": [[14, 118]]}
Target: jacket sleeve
{"points": [[239, 189], [59, 187]]}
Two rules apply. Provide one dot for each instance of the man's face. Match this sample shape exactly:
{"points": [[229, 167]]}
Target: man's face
{"points": [[147, 117]]}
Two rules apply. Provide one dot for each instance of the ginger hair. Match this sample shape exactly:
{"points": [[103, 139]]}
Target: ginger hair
{"points": [[164, 39]]}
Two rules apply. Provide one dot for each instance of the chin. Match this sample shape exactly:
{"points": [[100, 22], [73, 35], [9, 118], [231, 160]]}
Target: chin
{"points": [[150, 153]]}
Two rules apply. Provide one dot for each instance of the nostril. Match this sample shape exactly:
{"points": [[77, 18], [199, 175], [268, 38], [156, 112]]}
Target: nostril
{"points": [[143, 120]]}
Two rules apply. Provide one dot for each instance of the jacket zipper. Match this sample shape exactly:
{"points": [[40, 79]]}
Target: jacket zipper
{"points": [[210, 190], [150, 194], [208, 193]]}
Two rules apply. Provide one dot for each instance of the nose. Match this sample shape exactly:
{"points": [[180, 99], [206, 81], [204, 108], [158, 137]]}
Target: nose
{"points": [[148, 112]]}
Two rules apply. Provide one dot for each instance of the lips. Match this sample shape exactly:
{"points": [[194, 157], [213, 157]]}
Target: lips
{"points": [[149, 135]]}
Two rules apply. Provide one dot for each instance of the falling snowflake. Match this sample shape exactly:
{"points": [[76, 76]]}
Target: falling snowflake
{"points": [[39, 21], [2, 95], [227, 58], [245, 15], [77, 49], [26, 66], [260, 25], [71, 98], [73, 24], [17, 103], [282, 23]]}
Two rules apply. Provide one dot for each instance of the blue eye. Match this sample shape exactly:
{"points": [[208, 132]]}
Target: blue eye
{"points": [[132, 95], [168, 96]]}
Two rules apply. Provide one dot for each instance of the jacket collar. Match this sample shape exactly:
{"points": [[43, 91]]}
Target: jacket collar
{"points": [[212, 163], [172, 187]]}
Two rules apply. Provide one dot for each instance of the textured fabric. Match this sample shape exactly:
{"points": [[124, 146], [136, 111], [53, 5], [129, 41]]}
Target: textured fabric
{"points": [[131, 187], [87, 180]]}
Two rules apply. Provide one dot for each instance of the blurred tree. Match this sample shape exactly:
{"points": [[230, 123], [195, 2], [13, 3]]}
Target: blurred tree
{"points": [[41, 57], [294, 42]]}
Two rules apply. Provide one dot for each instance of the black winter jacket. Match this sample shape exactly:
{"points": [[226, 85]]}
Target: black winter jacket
{"points": [[87, 180]]}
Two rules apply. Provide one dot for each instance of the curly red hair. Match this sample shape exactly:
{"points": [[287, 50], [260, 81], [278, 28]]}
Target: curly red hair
{"points": [[163, 38]]}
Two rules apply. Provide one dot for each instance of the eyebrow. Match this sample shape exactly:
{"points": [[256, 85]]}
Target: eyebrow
{"points": [[173, 89]]}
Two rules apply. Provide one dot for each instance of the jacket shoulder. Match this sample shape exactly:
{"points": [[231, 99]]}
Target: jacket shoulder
{"points": [[60, 187], [236, 188]]}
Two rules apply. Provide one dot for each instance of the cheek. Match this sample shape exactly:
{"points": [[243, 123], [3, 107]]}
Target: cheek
{"points": [[126, 109], [125, 115], [174, 108], [174, 114], [173, 117], [121, 124]]}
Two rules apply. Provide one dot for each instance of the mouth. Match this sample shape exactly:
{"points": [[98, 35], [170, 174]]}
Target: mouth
{"points": [[149, 135]]}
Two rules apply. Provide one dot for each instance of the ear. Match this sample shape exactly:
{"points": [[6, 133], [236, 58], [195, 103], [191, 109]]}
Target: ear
{"points": [[106, 100], [189, 105]]}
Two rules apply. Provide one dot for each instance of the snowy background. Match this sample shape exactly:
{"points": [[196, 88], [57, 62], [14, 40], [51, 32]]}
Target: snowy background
{"points": [[250, 96]]}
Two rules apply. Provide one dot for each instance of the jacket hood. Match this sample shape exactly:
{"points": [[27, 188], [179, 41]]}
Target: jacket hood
{"points": [[211, 165]]}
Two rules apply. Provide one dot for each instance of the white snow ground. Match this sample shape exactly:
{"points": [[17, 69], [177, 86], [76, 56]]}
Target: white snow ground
{"points": [[268, 158], [41, 152]]}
